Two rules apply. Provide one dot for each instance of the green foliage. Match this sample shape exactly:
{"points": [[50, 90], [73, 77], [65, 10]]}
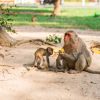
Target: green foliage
{"points": [[82, 18], [4, 20], [96, 15], [53, 38], [4, 10]]}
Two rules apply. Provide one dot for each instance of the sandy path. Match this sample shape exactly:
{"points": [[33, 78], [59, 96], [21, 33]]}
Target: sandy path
{"points": [[16, 83]]}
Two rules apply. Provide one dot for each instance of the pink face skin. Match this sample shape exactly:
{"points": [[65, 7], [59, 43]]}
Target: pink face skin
{"points": [[67, 37]]}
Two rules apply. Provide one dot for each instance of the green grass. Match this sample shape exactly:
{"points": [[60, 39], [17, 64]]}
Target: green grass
{"points": [[30, 9], [83, 18]]}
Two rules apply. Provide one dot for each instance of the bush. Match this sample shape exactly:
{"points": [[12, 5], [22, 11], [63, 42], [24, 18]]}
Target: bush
{"points": [[53, 38], [4, 20]]}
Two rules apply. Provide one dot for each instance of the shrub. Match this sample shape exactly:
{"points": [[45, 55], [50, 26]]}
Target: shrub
{"points": [[53, 38]]}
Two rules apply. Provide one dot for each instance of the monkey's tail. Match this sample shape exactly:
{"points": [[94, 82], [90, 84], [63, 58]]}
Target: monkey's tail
{"points": [[91, 71]]}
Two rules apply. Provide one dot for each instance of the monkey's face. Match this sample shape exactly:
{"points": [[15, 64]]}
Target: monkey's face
{"points": [[70, 38], [50, 51]]}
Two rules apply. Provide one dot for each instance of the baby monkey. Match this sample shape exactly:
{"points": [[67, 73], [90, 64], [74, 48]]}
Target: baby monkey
{"points": [[39, 57]]}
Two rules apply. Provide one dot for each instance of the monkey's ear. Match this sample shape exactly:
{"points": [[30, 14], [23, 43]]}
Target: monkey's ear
{"points": [[48, 49], [75, 35]]}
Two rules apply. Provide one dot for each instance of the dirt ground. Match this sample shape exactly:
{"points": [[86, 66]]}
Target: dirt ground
{"points": [[17, 83]]}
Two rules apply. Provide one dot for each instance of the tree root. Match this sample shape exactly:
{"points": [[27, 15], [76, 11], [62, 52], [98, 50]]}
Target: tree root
{"points": [[34, 41], [5, 65]]}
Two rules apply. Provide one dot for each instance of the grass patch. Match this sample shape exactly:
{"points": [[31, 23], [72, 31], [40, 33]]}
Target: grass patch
{"points": [[70, 17], [30, 9]]}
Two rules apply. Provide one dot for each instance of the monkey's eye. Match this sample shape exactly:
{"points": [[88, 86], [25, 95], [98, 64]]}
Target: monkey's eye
{"points": [[69, 35]]}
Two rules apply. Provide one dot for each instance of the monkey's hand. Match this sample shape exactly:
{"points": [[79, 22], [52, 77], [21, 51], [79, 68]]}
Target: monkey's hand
{"points": [[61, 55], [67, 57], [61, 51]]}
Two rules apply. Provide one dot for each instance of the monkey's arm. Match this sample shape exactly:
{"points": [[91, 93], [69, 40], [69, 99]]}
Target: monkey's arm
{"points": [[48, 62], [67, 57]]}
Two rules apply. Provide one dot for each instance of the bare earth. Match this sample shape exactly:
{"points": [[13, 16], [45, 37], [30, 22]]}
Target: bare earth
{"points": [[17, 83]]}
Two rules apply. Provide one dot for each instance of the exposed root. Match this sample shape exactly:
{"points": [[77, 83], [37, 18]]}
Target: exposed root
{"points": [[5, 65], [95, 44], [34, 41], [95, 47], [5, 38]]}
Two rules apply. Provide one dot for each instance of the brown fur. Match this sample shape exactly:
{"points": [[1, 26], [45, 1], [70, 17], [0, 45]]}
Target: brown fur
{"points": [[76, 58], [39, 54]]}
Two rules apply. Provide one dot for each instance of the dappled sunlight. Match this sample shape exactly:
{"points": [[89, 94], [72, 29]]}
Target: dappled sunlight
{"points": [[31, 9], [22, 23], [83, 18], [48, 23], [80, 12]]}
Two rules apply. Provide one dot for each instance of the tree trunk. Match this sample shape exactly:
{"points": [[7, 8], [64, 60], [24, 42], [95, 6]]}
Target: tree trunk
{"points": [[57, 8], [5, 38]]}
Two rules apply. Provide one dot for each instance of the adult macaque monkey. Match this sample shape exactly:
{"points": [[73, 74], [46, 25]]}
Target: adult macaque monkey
{"points": [[39, 54], [76, 58]]}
